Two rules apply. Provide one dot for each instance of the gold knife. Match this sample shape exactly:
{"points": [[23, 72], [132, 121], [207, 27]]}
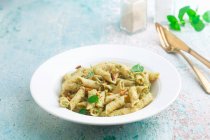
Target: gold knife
{"points": [[180, 45]]}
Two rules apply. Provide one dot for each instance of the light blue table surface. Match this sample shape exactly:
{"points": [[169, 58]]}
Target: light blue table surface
{"points": [[31, 31]]}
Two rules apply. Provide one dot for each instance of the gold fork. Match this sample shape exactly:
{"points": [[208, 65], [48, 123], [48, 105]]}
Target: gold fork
{"points": [[170, 49]]}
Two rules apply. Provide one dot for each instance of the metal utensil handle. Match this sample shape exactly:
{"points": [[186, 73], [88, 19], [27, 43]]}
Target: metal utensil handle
{"points": [[202, 79], [199, 57]]}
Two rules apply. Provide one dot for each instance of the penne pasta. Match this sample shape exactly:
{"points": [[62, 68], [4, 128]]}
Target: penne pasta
{"points": [[101, 100], [134, 96], [144, 101], [120, 86], [95, 111], [64, 102], [77, 98], [91, 93], [89, 83], [126, 82], [117, 103], [122, 111], [107, 89], [111, 97], [153, 76]]}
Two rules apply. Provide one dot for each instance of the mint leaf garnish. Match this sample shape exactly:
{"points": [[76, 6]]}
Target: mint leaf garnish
{"points": [[137, 68], [174, 25], [194, 19], [93, 99], [182, 12], [83, 111], [172, 19], [199, 26], [191, 13], [206, 16]]}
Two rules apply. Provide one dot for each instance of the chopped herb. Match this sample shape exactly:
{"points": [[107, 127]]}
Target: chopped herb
{"points": [[172, 19], [93, 99], [90, 74], [174, 25], [137, 68], [199, 26], [191, 13], [194, 19], [206, 16], [83, 111], [182, 12]]}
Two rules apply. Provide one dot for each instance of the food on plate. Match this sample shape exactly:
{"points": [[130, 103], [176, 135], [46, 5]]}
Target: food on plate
{"points": [[107, 89]]}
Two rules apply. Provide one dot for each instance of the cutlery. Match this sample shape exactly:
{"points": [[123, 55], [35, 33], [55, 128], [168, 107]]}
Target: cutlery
{"points": [[169, 48], [179, 44]]}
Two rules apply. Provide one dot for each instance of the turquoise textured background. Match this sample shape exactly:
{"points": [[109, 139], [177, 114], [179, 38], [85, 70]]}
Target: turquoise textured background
{"points": [[31, 31]]}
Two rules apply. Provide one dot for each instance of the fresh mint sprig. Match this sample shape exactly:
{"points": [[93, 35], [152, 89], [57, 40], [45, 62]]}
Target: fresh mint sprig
{"points": [[196, 20]]}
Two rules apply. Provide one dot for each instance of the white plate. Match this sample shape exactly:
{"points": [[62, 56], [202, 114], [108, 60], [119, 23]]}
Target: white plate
{"points": [[46, 81]]}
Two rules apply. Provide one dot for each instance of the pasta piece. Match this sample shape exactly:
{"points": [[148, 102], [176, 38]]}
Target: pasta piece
{"points": [[126, 82], [139, 79], [106, 75], [127, 105], [77, 98], [109, 87], [95, 111], [124, 71], [71, 96], [146, 78], [153, 76], [144, 101], [68, 86], [108, 71], [117, 103], [111, 97], [101, 99], [91, 93], [107, 66], [114, 76], [64, 102], [134, 96], [72, 76], [142, 90], [127, 99], [103, 114], [89, 83], [120, 86], [98, 78], [82, 104], [122, 111]]}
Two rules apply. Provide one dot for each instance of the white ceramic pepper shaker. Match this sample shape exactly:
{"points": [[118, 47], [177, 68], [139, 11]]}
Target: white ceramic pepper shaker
{"points": [[133, 15]]}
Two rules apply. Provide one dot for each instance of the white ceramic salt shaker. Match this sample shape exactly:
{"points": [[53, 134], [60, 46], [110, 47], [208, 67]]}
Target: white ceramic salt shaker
{"points": [[133, 15]]}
